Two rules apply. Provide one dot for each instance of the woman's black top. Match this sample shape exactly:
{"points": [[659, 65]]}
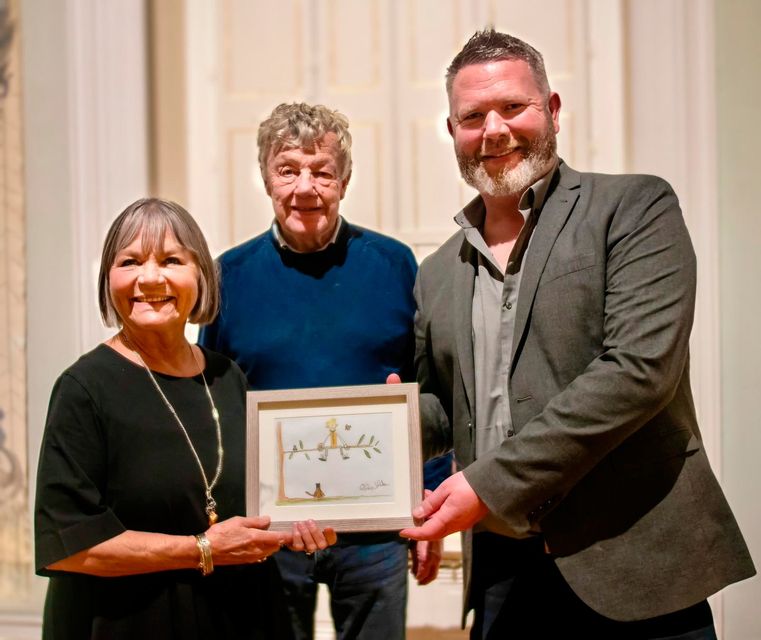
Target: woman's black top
{"points": [[113, 458]]}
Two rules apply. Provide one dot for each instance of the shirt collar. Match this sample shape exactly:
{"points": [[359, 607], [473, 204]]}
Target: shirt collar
{"points": [[277, 234], [533, 197]]}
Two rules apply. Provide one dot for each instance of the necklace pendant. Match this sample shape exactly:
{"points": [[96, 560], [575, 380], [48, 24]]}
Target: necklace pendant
{"points": [[211, 508]]}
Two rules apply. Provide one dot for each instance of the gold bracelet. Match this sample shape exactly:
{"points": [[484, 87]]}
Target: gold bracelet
{"points": [[205, 565]]}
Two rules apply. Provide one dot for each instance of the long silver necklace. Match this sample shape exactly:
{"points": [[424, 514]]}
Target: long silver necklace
{"points": [[211, 504]]}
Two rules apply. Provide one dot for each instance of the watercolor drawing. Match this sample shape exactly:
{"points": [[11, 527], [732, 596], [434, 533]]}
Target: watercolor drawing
{"points": [[335, 458]]}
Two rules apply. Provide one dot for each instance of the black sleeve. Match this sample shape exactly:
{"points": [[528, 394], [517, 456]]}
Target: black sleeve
{"points": [[70, 511]]}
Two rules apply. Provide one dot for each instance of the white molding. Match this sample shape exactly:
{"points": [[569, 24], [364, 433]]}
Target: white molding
{"points": [[202, 80], [108, 134], [20, 626], [78, 145], [672, 132], [607, 86], [702, 175]]}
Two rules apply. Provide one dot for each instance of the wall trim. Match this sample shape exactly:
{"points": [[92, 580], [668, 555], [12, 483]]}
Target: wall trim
{"points": [[20, 626], [672, 132], [108, 135]]}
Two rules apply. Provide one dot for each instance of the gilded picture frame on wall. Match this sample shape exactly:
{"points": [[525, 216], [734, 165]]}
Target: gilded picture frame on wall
{"points": [[348, 457]]}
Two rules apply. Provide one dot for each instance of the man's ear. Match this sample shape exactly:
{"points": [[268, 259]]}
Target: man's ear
{"points": [[344, 184], [553, 104]]}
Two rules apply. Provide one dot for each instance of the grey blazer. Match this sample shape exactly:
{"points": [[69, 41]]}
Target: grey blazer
{"points": [[606, 461]]}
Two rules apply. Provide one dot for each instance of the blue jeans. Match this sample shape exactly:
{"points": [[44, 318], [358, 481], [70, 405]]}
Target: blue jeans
{"points": [[367, 583], [518, 592]]}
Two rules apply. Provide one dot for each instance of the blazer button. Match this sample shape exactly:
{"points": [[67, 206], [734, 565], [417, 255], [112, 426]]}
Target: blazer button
{"points": [[510, 433]]}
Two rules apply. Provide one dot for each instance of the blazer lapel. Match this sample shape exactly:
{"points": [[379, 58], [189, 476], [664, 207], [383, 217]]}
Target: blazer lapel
{"points": [[558, 206], [462, 303]]}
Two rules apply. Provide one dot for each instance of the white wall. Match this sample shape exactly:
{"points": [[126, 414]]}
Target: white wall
{"points": [[79, 173], [739, 141], [52, 331]]}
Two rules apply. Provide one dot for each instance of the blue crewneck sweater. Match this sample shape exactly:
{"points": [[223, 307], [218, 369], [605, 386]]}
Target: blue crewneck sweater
{"points": [[340, 316]]}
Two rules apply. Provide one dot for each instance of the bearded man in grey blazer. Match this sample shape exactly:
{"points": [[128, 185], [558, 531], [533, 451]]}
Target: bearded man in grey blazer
{"points": [[552, 353]]}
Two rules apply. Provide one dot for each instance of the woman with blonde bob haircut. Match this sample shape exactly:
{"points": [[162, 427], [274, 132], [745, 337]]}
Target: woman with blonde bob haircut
{"points": [[140, 485], [152, 218]]}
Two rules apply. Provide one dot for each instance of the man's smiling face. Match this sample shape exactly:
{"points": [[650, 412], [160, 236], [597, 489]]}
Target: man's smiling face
{"points": [[503, 126], [306, 188]]}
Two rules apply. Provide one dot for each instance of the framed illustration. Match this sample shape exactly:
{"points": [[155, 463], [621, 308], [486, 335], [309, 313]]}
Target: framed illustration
{"points": [[347, 457]]}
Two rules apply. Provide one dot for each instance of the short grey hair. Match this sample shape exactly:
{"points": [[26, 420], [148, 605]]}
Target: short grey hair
{"points": [[151, 218], [300, 125], [491, 46]]}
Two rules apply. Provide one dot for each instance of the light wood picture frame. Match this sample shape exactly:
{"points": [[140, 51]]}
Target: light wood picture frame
{"points": [[347, 457]]}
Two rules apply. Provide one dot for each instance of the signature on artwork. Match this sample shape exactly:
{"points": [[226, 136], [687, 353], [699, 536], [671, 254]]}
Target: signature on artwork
{"points": [[372, 486]]}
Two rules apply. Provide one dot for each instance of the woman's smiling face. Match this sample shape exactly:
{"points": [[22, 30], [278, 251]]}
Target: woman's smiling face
{"points": [[154, 289]]}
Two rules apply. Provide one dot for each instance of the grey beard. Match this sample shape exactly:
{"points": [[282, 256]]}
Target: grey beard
{"points": [[510, 182]]}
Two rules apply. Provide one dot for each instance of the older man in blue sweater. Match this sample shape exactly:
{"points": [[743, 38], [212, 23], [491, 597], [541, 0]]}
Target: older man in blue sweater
{"points": [[316, 301]]}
